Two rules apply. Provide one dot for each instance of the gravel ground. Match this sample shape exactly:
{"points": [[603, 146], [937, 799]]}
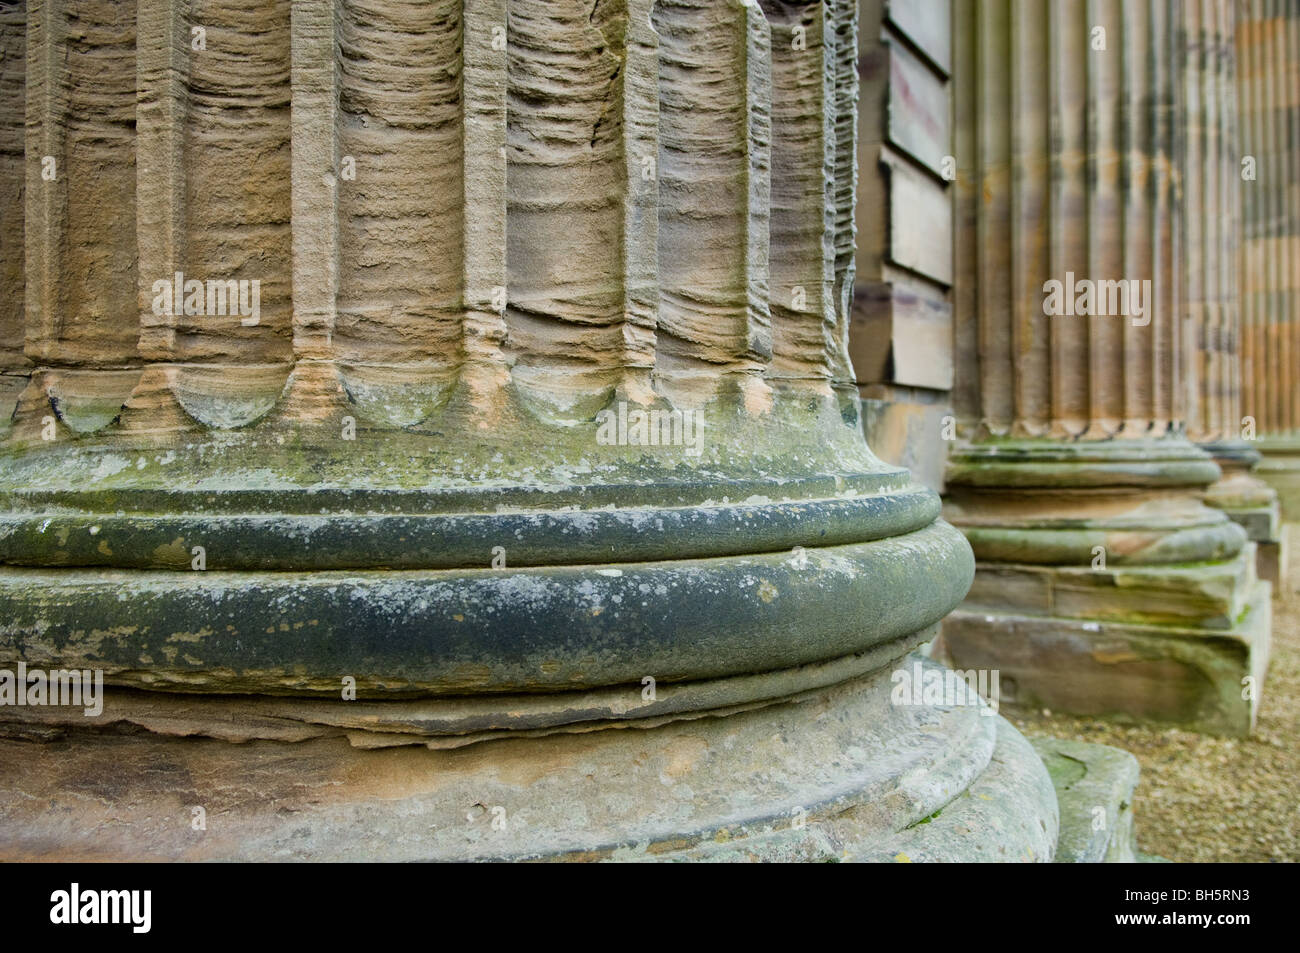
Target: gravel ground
{"points": [[1216, 799]]}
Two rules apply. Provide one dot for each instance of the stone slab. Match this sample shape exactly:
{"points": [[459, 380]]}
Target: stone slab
{"points": [[1094, 790], [1261, 523], [1131, 672], [1205, 595]]}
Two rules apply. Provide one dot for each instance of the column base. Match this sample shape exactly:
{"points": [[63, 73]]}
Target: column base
{"points": [[1279, 467], [1261, 523], [838, 773], [1250, 503], [1105, 586], [1109, 661]]}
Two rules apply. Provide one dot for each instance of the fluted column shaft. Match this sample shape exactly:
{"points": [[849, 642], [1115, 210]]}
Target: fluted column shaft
{"points": [[1210, 176], [1066, 158]]}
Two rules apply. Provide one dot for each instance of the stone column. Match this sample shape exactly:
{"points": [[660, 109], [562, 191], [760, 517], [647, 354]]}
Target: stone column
{"points": [[1268, 95], [1210, 172], [1104, 585], [544, 428]]}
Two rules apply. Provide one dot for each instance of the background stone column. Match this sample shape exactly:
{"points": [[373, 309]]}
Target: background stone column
{"points": [[1268, 96], [545, 429], [1211, 189], [1104, 585]]}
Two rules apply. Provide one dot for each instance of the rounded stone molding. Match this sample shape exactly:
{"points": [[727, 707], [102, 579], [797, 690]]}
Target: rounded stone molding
{"points": [[484, 630]]}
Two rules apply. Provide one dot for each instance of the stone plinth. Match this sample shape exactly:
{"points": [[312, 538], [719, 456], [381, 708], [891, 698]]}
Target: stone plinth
{"points": [[529, 513]]}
